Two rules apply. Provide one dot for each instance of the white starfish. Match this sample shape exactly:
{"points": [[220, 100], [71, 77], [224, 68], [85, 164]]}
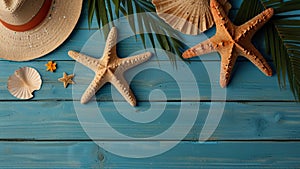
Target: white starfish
{"points": [[109, 68]]}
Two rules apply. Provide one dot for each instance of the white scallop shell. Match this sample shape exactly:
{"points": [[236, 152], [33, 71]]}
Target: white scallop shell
{"points": [[187, 16], [24, 82]]}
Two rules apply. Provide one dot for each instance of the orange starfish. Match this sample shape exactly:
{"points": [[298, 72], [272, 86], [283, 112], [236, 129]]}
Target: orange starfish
{"points": [[232, 41], [51, 66]]}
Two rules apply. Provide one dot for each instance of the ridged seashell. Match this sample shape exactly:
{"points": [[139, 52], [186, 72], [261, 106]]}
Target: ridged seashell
{"points": [[187, 16], [24, 82]]}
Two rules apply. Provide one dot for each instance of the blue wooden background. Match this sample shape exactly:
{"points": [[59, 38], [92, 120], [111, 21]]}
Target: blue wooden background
{"points": [[260, 127]]}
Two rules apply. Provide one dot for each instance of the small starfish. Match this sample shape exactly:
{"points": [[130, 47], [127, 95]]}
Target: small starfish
{"points": [[231, 41], [51, 66], [109, 68], [67, 79]]}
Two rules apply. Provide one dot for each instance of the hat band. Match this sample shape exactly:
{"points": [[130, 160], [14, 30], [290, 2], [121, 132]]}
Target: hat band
{"points": [[36, 20]]}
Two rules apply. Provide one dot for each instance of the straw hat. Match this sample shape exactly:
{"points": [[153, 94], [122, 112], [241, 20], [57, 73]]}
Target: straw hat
{"points": [[33, 28]]}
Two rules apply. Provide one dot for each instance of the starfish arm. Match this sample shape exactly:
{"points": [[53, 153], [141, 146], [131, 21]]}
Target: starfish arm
{"points": [[122, 86], [66, 84], [221, 19], [71, 82], [249, 28], [133, 61], [110, 50], [257, 59], [87, 61], [94, 86], [226, 70], [63, 78], [200, 49], [228, 59]]}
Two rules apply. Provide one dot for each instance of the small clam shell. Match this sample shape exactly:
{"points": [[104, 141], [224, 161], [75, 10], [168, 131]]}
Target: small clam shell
{"points": [[24, 82], [187, 16]]}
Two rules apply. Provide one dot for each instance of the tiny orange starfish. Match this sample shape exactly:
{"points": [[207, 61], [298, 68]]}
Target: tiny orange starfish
{"points": [[51, 66], [232, 41], [67, 79]]}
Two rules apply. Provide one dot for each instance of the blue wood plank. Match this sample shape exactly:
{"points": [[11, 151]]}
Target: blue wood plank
{"points": [[52, 120], [82, 33], [259, 127], [94, 42], [217, 155], [48, 155], [248, 83]]}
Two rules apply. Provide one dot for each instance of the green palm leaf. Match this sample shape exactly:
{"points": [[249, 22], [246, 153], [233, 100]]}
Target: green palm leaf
{"points": [[282, 37], [147, 22]]}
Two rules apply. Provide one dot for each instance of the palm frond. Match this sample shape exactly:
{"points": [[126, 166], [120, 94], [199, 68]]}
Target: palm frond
{"points": [[148, 22], [282, 36]]}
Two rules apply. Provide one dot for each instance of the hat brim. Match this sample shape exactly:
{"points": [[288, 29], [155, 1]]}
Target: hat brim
{"points": [[44, 38]]}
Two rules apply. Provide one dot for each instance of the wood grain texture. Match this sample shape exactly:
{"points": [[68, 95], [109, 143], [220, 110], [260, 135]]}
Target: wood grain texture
{"points": [[247, 84], [49, 120], [260, 126], [130, 44], [185, 155], [48, 155]]}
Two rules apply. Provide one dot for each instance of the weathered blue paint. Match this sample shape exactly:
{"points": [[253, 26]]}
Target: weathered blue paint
{"points": [[260, 127], [66, 154], [242, 87], [57, 120]]}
